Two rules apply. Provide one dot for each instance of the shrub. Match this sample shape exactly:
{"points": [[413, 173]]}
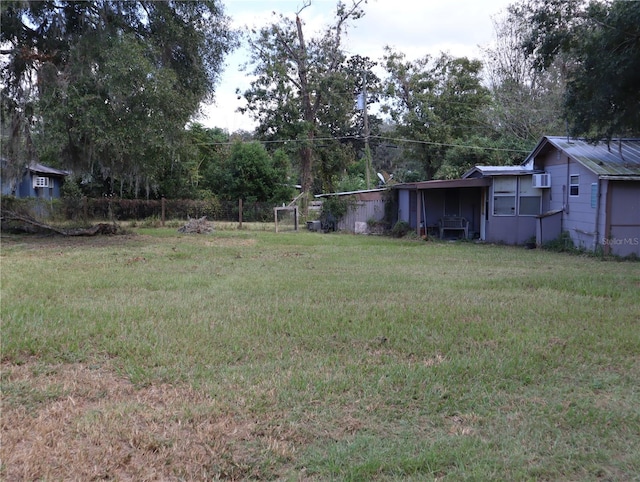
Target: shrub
{"points": [[400, 229], [562, 244]]}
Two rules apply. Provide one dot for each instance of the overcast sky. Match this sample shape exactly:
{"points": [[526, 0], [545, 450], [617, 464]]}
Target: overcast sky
{"points": [[458, 27]]}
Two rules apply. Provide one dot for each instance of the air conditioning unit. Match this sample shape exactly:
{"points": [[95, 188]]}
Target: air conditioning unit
{"points": [[39, 181], [541, 181]]}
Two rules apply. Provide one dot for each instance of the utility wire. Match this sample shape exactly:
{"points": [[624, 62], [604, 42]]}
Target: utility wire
{"points": [[384, 138]]}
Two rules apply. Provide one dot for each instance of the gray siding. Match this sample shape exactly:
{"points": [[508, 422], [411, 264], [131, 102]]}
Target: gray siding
{"points": [[623, 236], [509, 229], [403, 205], [580, 215], [363, 211]]}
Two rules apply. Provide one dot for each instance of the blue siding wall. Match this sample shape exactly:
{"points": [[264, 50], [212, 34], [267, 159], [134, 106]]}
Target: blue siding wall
{"points": [[24, 188]]}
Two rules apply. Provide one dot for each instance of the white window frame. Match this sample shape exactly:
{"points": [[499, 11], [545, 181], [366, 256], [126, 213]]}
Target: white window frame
{"points": [[574, 184], [41, 182]]}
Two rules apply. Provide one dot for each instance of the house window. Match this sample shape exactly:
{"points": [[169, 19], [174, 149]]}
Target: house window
{"points": [[39, 181], [574, 185], [504, 196], [529, 199], [594, 195]]}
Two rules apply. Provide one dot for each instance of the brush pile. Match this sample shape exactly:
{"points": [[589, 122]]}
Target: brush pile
{"points": [[197, 226]]}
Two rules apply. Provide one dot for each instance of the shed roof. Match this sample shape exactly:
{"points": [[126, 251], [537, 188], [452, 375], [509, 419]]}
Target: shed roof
{"points": [[619, 157], [364, 195], [42, 169]]}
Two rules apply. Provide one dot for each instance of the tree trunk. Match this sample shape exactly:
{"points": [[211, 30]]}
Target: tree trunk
{"points": [[102, 228]]}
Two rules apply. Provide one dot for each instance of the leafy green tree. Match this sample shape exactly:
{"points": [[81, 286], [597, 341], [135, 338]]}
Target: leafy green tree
{"points": [[300, 83], [601, 40], [184, 175], [434, 103], [251, 174], [108, 86], [482, 150]]}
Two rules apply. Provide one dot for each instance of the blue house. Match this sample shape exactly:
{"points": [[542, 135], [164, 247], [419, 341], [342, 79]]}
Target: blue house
{"points": [[590, 191], [36, 180]]}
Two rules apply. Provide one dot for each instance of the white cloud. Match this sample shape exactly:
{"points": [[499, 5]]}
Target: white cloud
{"points": [[458, 27]]}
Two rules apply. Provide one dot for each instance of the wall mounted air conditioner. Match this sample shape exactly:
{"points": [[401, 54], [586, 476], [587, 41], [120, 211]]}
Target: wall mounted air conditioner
{"points": [[39, 181], [542, 180]]}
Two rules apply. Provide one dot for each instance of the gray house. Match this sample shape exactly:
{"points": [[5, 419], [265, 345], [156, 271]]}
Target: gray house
{"points": [[592, 192]]}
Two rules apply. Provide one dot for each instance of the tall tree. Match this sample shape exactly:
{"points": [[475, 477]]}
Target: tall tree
{"points": [[434, 102], [527, 102], [299, 80], [108, 85], [602, 39], [251, 174]]}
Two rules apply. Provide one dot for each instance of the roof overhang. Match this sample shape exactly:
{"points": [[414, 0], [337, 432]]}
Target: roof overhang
{"points": [[446, 184], [42, 169], [365, 195], [620, 178]]}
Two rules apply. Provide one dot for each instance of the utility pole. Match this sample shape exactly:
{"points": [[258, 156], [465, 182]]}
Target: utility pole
{"points": [[367, 151]]}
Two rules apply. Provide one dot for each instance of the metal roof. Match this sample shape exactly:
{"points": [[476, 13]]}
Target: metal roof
{"points": [[498, 171], [447, 183], [42, 169], [349, 193], [619, 157]]}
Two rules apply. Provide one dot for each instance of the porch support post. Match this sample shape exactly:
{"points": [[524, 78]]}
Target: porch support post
{"points": [[419, 209]]}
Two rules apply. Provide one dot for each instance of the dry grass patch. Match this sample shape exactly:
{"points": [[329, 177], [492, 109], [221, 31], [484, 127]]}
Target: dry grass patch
{"points": [[97, 425]]}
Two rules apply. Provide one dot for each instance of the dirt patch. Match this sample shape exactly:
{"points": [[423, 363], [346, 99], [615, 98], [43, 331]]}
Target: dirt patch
{"points": [[80, 422], [37, 241]]}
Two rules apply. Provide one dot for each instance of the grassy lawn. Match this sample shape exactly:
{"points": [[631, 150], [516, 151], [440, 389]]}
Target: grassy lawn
{"points": [[255, 355]]}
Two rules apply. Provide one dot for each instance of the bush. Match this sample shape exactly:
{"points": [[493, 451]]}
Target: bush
{"points": [[562, 244], [400, 229], [336, 206]]}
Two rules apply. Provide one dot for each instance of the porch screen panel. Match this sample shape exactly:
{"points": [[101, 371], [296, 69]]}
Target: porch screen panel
{"points": [[504, 196], [529, 197]]}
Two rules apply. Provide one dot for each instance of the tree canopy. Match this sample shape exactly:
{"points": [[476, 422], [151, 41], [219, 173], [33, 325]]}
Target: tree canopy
{"points": [[301, 88], [107, 86], [434, 103], [601, 45], [251, 174]]}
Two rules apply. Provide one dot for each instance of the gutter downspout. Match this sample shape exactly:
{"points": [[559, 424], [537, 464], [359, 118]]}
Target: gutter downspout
{"points": [[597, 230], [566, 187]]}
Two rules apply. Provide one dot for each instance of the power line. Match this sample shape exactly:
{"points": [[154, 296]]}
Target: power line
{"points": [[360, 138]]}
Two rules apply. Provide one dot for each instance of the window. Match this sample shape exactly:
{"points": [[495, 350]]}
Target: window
{"points": [[574, 185], [40, 181], [504, 196], [594, 195], [529, 198]]}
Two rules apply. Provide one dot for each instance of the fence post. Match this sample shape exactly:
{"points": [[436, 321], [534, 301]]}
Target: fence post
{"points": [[240, 213], [162, 216]]}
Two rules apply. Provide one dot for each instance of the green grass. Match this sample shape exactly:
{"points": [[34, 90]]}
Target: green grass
{"points": [[355, 358]]}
